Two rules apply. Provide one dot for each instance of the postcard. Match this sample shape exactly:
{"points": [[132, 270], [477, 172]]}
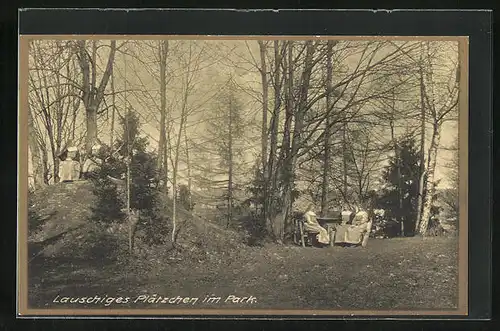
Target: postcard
{"points": [[181, 175]]}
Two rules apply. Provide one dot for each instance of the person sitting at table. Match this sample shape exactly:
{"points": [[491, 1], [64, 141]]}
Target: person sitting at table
{"points": [[311, 225], [355, 233]]}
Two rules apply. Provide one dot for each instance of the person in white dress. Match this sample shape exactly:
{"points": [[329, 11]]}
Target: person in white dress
{"points": [[311, 225], [357, 232], [69, 169], [92, 164]]}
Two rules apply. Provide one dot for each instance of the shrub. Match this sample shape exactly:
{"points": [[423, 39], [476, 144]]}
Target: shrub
{"points": [[108, 205], [154, 229], [130, 147]]}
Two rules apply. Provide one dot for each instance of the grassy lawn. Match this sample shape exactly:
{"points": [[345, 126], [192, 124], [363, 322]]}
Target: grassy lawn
{"points": [[402, 273]]}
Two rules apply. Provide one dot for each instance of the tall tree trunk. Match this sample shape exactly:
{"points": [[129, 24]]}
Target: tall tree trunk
{"points": [[188, 163], [326, 161], [166, 150], [36, 159], [289, 95], [55, 156], [283, 166], [91, 122], [113, 110], [174, 181], [264, 128], [430, 185], [163, 52], [270, 204], [93, 94], [296, 139], [422, 172], [92, 109], [344, 163], [230, 177], [265, 103], [45, 166], [397, 156], [73, 123], [129, 214], [175, 167]]}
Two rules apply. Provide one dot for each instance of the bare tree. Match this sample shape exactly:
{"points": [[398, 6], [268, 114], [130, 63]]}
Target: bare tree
{"points": [[93, 92], [423, 111], [113, 109], [298, 68], [441, 89], [53, 98], [291, 161], [327, 148], [192, 62], [36, 157], [271, 163], [265, 102], [162, 164]]}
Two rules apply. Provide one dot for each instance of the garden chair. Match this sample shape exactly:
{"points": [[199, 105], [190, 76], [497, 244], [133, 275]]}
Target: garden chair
{"points": [[301, 236]]}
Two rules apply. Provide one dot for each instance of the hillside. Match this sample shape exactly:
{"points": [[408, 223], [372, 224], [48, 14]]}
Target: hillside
{"points": [[66, 229]]}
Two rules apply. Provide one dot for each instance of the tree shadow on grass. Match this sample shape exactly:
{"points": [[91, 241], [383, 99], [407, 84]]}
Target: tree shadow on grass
{"points": [[35, 248], [69, 276]]}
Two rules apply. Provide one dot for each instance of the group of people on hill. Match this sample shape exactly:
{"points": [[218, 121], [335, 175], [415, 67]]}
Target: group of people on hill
{"points": [[70, 169]]}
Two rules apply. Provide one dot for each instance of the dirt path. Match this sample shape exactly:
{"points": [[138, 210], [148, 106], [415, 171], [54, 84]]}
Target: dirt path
{"points": [[388, 274]]}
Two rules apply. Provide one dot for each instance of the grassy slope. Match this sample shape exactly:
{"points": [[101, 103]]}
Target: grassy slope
{"points": [[67, 208], [388, 274]]}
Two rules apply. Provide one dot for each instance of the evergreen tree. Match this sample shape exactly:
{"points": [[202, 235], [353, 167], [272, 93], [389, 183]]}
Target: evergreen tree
{"points": [[228, 126], [400, 195], [129, 147], [132, 147], [108, 206], [256, 225]]}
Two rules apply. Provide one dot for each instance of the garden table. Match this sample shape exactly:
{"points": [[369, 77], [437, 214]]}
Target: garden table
{"points": [[330, 224]]}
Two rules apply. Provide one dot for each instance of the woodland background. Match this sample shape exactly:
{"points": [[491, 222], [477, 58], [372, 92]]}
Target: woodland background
{"points": [[228, 141]]}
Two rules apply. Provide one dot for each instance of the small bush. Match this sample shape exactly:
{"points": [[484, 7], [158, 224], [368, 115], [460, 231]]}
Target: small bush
{"points": [[108, 205], [253, 228], [154, 231]]}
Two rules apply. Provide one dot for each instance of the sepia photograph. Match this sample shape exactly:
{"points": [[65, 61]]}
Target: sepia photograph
{"points": [[243, 175]]}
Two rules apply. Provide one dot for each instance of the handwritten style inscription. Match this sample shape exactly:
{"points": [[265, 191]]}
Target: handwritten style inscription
{"points": [[154, 299]]}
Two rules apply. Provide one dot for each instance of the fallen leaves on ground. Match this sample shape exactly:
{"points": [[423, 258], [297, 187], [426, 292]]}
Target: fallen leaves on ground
{"points": [[282, 277]]}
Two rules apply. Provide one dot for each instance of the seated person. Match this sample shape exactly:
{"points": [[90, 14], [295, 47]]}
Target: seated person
{"points": [[355, 233], [311, 225]]}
